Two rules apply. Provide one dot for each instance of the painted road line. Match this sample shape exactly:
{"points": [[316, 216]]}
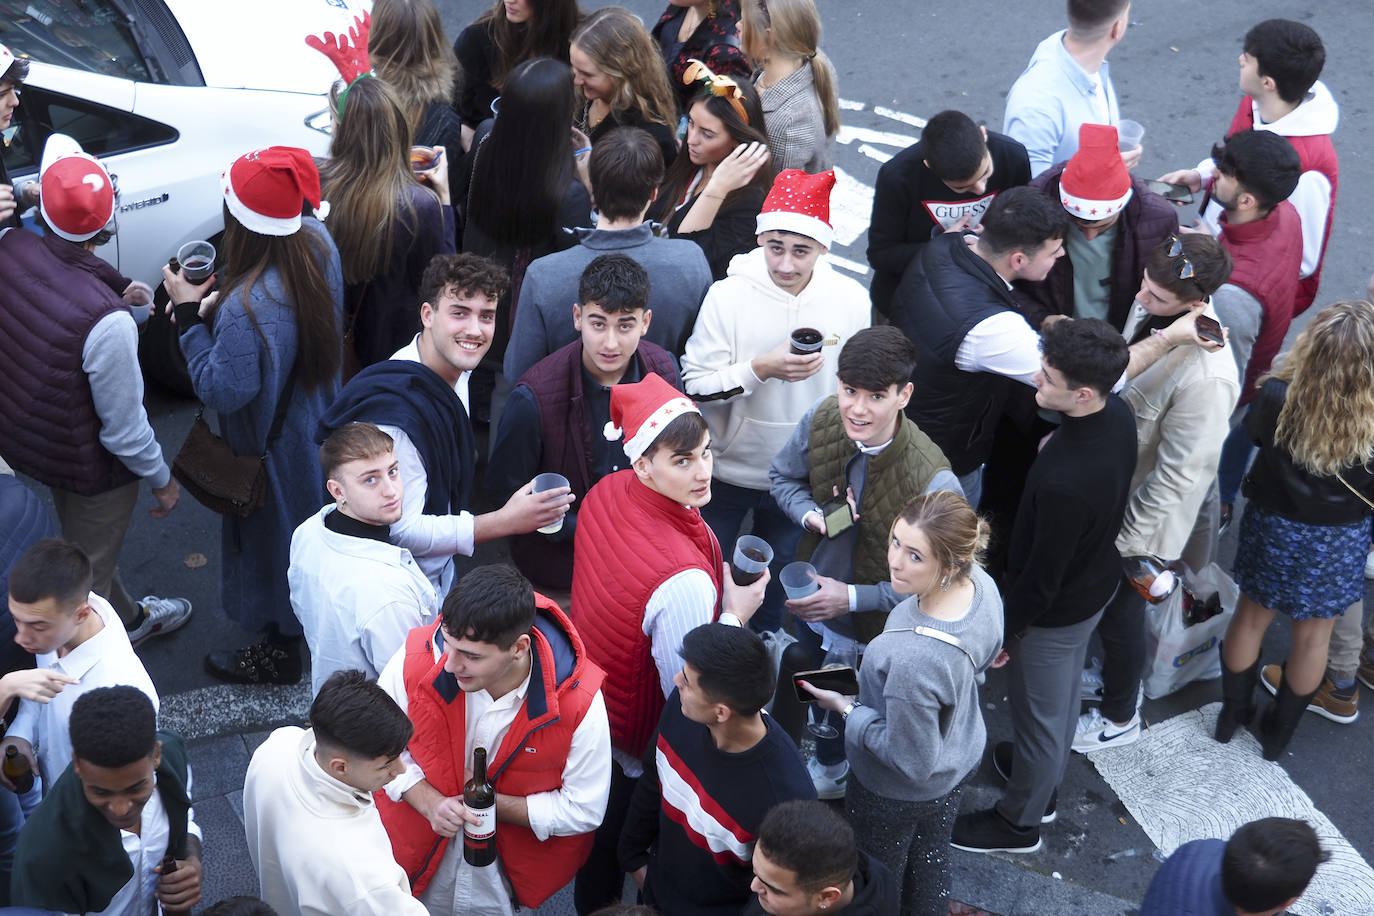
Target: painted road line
{"points": [[849, 133], [872, 152], [854, 267], [900, 116], [1181, 785], [851, 207], [851, 105]]}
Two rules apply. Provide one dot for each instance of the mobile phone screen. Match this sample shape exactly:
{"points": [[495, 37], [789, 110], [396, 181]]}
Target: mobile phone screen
{"points": [[841, 680], [1210, 329]]}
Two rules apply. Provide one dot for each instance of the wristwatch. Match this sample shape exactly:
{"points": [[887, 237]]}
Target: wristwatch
{"points": [[844, 713]]}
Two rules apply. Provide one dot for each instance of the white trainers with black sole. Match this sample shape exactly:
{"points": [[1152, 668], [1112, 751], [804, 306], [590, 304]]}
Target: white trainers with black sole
{"points": [[1094, 733]]}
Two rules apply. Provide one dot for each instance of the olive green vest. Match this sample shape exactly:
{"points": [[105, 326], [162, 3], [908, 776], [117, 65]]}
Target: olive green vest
{"points": [[896, 476]]}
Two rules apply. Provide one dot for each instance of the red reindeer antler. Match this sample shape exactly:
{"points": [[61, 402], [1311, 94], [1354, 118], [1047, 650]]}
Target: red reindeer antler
{"points": [[348, 52]]}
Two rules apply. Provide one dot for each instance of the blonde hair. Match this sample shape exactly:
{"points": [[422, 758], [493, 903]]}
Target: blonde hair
{"points": [[353, 442], [958, 536], [1327, 420], [622, 48], [409, 50], [367, 176], [796, 27]]}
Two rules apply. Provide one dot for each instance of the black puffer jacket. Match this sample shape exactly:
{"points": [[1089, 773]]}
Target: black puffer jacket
{"points": [[1146, 222]]}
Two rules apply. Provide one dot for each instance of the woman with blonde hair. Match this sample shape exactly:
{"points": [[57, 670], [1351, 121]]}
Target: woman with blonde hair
{"points": [[411, 54], [796, 81], [620, 75], [915, 731], [387, 220], [1305, 532]]}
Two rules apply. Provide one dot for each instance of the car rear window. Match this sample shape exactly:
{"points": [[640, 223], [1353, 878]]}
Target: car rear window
{"points": [[87, 35]]}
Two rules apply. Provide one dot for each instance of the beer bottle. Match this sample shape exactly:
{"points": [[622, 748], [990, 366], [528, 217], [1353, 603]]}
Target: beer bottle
{"points": [[17, 770], [169, 863], [479, 839]]}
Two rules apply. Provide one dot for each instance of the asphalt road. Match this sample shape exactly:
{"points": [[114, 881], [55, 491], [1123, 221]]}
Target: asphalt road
{"points": [[898, 63]]}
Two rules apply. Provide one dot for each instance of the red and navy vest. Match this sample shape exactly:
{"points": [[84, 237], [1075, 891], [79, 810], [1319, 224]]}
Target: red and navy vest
{"points": [[630, 540], [52, 293], [565, 440], [1316, 154], [530, 759], [1266, 257]]}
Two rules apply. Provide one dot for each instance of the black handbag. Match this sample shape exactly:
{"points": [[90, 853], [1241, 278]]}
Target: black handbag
{"points": [[219, 479]]}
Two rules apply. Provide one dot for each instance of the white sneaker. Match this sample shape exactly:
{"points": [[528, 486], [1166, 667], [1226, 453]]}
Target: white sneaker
{"points": [[828, 780], [160, 617], [1090, 686], [1369, 564], [1095, 733]]}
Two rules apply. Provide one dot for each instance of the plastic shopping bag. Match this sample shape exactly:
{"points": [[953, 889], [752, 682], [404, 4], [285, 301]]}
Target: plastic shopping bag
{"points": [[1183, 638]]}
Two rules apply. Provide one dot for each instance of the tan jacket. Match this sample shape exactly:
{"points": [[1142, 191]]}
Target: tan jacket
{"points": [[1182, 406]]}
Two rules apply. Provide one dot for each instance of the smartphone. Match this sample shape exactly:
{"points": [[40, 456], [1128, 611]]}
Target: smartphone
{"points": [[1210, 329], [1178, 193], [841, 680], [838, 516]]}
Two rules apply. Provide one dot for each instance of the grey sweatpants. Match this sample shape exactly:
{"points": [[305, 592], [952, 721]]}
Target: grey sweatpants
{"points": [[1043, 689]]}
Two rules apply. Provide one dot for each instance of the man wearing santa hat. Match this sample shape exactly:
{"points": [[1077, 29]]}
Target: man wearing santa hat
{"points": [[68, 342], [646, 571], [13, 72], [741, 362], [1115, 223]]}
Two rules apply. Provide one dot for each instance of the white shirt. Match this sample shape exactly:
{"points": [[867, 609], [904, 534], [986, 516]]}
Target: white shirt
{"points": [[104, 660], [411, 354], [356, 598], [146, 850], [431, 539], [1004, 344], [578, 806]]}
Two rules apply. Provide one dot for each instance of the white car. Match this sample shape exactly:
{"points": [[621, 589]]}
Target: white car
{"points": [[167, 93]]}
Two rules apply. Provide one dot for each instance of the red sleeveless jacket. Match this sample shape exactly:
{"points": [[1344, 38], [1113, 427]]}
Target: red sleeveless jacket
{"points": [[1316, 154], [1266, 256], [630, 540], [530, 759]]}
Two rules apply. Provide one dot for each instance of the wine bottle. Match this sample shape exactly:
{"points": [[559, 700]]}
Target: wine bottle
{"points": [[479, 839], [17, 769]]}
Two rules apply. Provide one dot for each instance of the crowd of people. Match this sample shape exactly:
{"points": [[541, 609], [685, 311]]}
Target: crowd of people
{"points": [[566, 286]]}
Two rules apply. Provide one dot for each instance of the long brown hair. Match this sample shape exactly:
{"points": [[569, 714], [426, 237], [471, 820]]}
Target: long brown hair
{"points": [[680, 173], [796, 27], [622, 48], [367, 177], [547, 33], [1327, 420], [409, 51], [299, 261]]}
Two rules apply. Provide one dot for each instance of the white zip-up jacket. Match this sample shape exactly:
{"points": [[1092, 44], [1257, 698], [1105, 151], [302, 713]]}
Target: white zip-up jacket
{"points": [[743, 316]]}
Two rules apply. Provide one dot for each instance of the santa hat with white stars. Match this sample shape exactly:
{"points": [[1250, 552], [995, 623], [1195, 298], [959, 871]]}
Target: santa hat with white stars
{"points": [[799, 203], [641, 411], [1095, 183]]}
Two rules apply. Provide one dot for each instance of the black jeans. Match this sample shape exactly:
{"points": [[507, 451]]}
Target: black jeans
{"points": [[1122, 631], [601, 881]]}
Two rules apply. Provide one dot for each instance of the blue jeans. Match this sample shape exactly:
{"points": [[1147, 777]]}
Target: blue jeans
{"points": [[725, 514], [14, 810], [1235, 458]]}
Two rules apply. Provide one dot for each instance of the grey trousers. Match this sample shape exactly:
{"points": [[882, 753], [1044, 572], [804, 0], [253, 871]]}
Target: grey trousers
{"points": [[1043, 689], [1343, 660], [97, 524]]}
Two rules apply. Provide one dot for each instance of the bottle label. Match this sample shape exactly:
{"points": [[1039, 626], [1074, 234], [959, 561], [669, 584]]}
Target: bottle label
{"points": [[485, 828]]}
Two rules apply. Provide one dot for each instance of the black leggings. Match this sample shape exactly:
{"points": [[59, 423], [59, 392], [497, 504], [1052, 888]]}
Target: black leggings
{"points": [[911, 839]]}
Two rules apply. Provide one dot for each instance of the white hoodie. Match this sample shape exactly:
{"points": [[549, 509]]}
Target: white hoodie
{"points": [[745, 315], [1315, 115]]}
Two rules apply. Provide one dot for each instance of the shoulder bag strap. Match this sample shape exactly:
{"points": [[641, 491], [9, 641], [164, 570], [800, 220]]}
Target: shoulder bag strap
{"points": [[946, 638], [283, 402], [1364, 499]]}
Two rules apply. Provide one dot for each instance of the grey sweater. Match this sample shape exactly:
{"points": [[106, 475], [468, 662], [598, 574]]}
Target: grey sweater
{"points": [[920, 730]]}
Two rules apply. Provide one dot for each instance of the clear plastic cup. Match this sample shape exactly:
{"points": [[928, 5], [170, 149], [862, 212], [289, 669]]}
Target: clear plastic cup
{"points": [[550, 482], [752, 556], [197, 261], [797, 581], [1129, 134]]}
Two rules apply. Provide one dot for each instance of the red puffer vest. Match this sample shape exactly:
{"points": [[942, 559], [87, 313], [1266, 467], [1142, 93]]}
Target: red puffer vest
{"points": [[530, 759], [1266, 256], [630, 540], [1316, 154]]}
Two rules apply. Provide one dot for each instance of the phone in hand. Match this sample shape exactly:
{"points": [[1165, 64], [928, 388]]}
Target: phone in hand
{"points": [[844, 681], [1210, 329], [1175, 193]]}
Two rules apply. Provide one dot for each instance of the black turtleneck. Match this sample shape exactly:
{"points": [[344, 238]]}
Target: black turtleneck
{"points": [[1062, 562], [339, 523]]}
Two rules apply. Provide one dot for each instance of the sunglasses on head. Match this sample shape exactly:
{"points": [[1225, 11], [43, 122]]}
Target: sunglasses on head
{"points": [[1185, 270]]}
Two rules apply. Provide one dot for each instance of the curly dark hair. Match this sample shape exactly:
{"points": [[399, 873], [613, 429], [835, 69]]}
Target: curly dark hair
{"points": [[113, 726]]}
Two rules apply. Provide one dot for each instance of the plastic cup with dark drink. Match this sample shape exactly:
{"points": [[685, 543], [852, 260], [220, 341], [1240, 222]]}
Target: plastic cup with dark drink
{"points": [[197, 261], [550, 482], [752, 556], [797, 581], [806, 341]]}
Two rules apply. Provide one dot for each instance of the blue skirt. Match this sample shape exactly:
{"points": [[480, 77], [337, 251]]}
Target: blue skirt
{"points": [[1305, 571]]}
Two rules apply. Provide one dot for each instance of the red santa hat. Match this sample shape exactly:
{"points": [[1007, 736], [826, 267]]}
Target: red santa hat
{"points": [[78, 196], [1095, 183], [642, 410], [264, 189], [799, 203]]}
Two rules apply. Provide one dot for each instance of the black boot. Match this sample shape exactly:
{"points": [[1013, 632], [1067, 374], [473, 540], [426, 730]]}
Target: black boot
{"points": [[1237, 699], [1278, 724], [276, 659]]}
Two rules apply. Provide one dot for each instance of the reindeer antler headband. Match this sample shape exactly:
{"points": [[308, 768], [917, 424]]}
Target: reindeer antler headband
{"points": [[722, 87], [348, 52]]}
